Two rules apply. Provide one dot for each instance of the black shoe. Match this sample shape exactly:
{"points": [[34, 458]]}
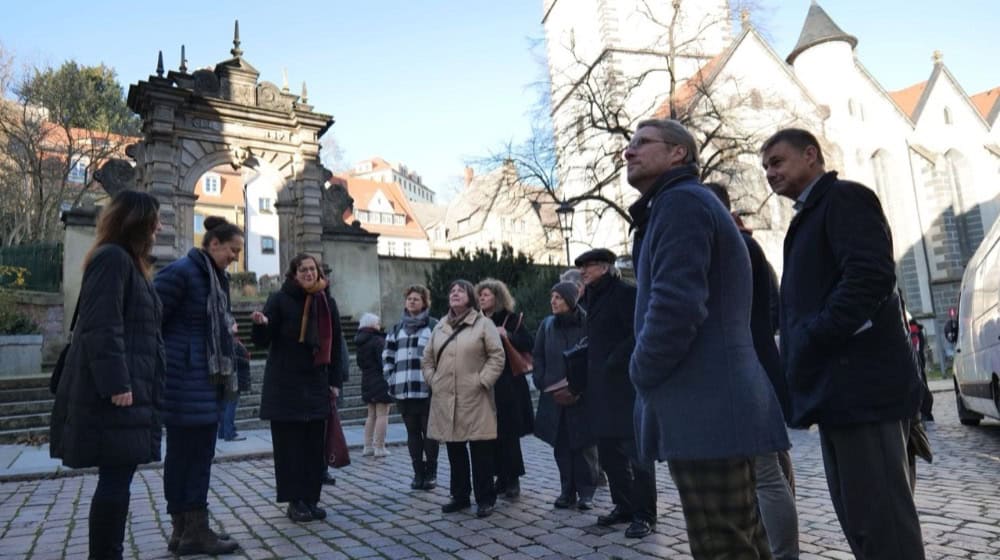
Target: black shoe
{"points": [[585, 504], [484, 510], [499, 487], [329, 480], [317, 512], [615, 517], [456, 505], [417, 483], [430, 475], [237, 437], [564, 501], [299, 512], [513, 490], [638, 529]]}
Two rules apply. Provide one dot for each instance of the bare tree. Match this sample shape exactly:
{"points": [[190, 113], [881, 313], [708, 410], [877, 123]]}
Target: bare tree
{"points": [[579, 160], [57, 126]]}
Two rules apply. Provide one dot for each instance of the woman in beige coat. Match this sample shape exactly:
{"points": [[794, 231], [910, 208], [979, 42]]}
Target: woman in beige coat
{"points": [[462, 360]]}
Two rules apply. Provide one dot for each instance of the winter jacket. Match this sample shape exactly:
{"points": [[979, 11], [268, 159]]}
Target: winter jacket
{"points": [[294, 389], [190, 399], [369, 344], [401, 361], [515, 415], [462, 378], [701, 392], [556, 334], [116, 348]]}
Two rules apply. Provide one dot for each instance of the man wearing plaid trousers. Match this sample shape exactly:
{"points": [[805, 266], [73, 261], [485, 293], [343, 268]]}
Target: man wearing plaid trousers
{"points": [[703, 401]]}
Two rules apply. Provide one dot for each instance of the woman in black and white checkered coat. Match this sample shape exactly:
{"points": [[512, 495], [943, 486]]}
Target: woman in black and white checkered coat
{"points": [[404, 348]]}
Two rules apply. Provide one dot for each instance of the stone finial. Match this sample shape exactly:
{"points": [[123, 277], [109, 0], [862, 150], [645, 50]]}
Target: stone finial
{"points": [[236, 50], [159, 65], [745, 17], [937, 57], [183, 68], [305, 93], [284, 80]]}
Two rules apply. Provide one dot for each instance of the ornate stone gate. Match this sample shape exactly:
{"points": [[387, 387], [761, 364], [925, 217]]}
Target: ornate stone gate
{"points": [[192, 122]]}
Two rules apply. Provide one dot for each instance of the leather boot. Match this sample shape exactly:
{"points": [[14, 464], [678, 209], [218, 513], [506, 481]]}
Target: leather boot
{"points": [[177, 520], [430, 475], [199, 538], [418, 475], [107, 529]]}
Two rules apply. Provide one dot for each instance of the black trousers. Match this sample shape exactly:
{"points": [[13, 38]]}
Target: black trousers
{"points": [[114, 483], [868, 476], [577, 467], [632, 484], [415, 413], [187, 468], [481, 472], [299, 459], [507, 458]]}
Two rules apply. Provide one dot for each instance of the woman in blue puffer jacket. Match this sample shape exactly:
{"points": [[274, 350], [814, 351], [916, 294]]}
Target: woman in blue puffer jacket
{"points": [[197, 322]]}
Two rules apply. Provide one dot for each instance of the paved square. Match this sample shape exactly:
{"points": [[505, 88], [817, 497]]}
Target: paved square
{"points": [[374, 514]]}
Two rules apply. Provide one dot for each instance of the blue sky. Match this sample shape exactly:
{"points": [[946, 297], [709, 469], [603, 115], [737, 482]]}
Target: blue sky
{"points": [[434, 83]]}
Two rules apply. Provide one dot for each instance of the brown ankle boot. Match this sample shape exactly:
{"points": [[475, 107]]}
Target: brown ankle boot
{"points": [[177, 520], [199, 538]]}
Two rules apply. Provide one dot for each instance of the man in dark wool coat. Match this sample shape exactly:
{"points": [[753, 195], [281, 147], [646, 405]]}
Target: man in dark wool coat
{"points": [[845, 348], [609, 395], [703, 402]]}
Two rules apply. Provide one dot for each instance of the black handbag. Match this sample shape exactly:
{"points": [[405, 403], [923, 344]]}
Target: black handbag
{"points": [[575, 360], [57, 371]]}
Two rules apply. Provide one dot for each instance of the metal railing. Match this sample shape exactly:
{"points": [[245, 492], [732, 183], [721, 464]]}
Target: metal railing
{"points": [[43, 262]]}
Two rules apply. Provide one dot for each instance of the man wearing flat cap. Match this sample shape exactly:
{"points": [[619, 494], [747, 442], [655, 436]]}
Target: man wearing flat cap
{"points": [[610, 306]]}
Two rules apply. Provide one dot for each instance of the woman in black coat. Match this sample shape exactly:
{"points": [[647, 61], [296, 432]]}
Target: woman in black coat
{"points": [[515, 415], [370, 342], [106, 411], [566, 427], [301, 326]]}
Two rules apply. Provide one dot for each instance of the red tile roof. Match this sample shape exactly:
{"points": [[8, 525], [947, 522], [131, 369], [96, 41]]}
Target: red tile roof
{"points": [[986, 100], [364, 190], [907, 99], [687, 91]]}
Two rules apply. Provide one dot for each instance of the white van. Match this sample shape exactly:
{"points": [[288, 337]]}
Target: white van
{"points": [[977, 352]]}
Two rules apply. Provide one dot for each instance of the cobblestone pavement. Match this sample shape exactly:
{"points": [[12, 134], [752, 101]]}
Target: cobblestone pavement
{"points": [[374, 514]]}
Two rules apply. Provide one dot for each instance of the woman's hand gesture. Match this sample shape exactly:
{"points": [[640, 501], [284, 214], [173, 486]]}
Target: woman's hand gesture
{"points": [[258, 318], [122, 399]]}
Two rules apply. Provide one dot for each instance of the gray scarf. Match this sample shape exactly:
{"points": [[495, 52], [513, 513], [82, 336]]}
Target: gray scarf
{"points": [[220, 347], [413, 323]]}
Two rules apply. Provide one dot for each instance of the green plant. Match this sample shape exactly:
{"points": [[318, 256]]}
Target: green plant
{"points": [[12, 320], [237, 280], [529, 283]]}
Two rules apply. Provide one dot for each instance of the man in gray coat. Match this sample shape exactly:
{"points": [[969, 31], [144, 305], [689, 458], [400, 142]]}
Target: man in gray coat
{"points": [[703, 401]]}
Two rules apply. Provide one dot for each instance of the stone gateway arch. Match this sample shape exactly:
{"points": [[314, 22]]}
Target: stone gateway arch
{"points": [[193, 122]]}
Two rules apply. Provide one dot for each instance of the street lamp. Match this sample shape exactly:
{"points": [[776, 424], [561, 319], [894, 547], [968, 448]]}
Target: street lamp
{"points": [[565, 215]]}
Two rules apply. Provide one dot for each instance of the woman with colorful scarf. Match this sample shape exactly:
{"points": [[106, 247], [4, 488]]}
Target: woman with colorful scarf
{"points": [[300, 325], [200, 378]]}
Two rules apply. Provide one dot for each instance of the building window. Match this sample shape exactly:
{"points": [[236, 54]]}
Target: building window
{"points": [[391, 247], [78, 172], [947, 116], [267, 245], [199, 223], [265, 205], [399, 219], [407, 248], [211, 185]]}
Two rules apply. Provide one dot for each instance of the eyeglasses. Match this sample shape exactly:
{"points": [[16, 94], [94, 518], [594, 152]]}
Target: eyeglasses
{"points": [[640, 141]]}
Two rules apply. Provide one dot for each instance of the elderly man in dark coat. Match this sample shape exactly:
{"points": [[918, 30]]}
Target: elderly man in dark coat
{"points": [[609, 396], [703, 402], [845, 348]]}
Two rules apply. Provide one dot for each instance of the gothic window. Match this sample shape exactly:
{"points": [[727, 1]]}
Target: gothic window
{"points": [[968, 221], [881, 173], [947, 116]]}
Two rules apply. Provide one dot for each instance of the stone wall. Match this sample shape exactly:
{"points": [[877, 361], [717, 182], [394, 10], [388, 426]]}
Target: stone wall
{"points": [[46, 309], [396, 273]]}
